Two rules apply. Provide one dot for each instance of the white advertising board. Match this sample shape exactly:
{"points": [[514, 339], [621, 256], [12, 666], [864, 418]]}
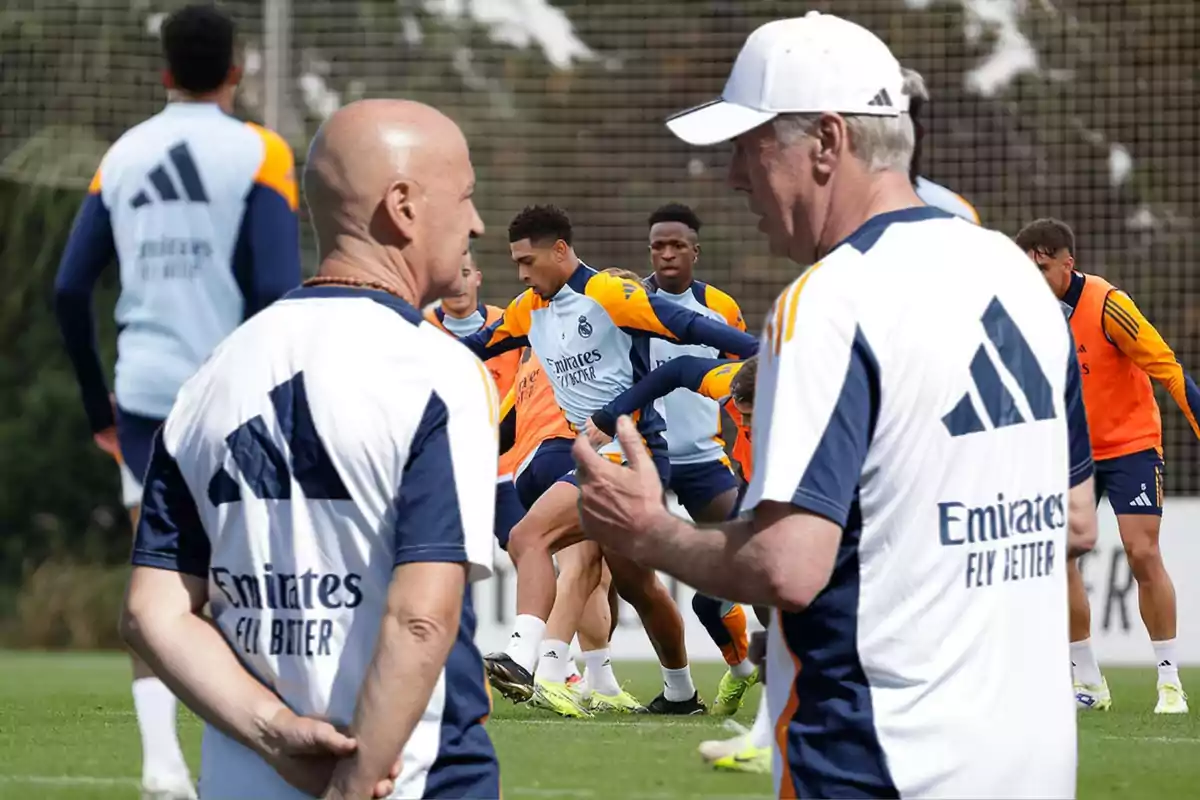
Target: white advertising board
{"points": [[1117, 631]]}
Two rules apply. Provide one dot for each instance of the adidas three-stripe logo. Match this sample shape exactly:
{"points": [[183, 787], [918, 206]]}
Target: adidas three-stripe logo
{"points": [[1017, 357], [166, 187], [881, 99], [1142, 500]]}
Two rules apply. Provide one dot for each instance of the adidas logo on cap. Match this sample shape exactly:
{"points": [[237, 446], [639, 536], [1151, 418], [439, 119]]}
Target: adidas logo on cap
{"points": [[881, 99]]}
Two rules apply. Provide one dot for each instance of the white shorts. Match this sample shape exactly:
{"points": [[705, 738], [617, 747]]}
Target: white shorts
{"points": [[131, 488]]}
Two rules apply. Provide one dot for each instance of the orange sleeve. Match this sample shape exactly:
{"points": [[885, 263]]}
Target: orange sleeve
{"points": [[724, 305], [278, 168], [627, 304], [507, 333], [717, 381], [516, 321], [1127, 328]]}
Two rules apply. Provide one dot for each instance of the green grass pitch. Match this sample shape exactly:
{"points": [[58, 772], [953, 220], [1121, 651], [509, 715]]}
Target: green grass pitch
{"points": [[67, 731]]}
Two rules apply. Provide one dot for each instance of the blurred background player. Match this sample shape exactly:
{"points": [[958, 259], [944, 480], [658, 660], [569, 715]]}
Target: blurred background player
{"points": [[932, 194], [462, 314], [541, 442], [592, 330], [1119, 352], [701, 476], [199, 211]]}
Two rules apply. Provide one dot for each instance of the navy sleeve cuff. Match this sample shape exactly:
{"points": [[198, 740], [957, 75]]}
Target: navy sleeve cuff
{"points": [[429, 523], [605, 420], [145, 558], [817, 503], [1081, 472], [169, 535], [422, 553]]}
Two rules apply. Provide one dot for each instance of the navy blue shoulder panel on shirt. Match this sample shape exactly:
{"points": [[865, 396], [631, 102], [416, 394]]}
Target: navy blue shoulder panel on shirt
{"points": [[90, 248], [169, 535], [867, 234], [1080, 442], [700, 292], [580, 277], [829, 485], [428, 520], [397, 304], [266, 257]]}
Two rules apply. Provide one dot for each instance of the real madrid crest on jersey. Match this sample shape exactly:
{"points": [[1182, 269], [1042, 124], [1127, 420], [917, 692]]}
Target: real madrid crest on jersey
{"points": [[585, 327]]}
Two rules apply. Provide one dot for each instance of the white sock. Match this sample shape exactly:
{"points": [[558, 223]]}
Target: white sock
{"points": [[600, 673], [742, 669], [155, 706], [678, 684], [573, 669], [1087, 671], [525, 644], [760, 734], [552, 667], [1168, 666]]}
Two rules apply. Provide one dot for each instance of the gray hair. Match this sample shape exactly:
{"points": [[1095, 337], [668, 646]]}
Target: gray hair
{"points": [[882, 143]]}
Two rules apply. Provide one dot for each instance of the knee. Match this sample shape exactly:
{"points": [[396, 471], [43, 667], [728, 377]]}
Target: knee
{"points": [[1145, 559], [522, 540]]}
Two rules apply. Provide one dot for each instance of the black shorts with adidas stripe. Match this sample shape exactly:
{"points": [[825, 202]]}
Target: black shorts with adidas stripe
{"points": [[1133, 483]]}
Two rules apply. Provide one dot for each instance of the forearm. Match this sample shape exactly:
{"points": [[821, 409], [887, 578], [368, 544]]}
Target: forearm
{"points": [[722, 561], [630, 401], [658, 383], [75, 320], [1082, 526], [485, 349], [414, 642], [703, 331], [192, 657]]}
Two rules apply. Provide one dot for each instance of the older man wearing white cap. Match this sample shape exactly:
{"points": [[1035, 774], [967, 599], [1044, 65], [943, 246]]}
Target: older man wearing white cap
{"points": [[922, 466]]}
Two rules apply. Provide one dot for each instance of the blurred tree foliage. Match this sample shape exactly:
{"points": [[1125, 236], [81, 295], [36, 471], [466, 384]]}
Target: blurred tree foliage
{"points": [[1101, 81]]}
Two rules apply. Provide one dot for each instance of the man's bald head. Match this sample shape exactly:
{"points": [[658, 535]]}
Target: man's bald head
{"points": [[397, 175]]}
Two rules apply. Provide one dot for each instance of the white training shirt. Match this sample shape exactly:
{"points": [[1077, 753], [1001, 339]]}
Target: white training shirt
{"points": [[938, 419], [331, 438]]}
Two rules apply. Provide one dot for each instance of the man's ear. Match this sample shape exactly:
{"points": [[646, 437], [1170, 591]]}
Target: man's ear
{"points": [[400, 208], [833, 142]]}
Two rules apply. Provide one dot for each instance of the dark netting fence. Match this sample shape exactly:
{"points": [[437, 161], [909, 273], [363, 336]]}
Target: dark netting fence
{"points": [[1082, 109]]}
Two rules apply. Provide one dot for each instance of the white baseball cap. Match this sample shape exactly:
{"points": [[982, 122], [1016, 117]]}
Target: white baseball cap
{"points": [[811, 64]]}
